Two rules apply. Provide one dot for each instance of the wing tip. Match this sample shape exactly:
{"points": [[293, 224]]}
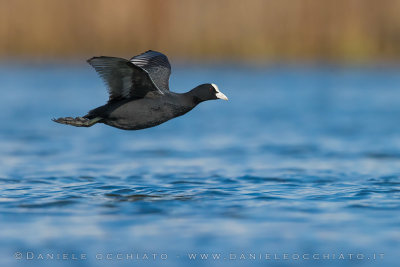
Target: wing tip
{"points": [[90, 60], [93, 58], [100, 57]]}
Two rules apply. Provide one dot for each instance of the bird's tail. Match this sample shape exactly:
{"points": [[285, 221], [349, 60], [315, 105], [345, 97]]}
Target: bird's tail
{"points": [[78, 121]]}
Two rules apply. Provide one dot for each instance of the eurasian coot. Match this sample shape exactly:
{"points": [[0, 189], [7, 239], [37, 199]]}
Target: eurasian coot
{"points": [[139, 95]]}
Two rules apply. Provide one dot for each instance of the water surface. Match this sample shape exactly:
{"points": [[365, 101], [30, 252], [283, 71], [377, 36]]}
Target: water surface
{"points": [[301, 160]]}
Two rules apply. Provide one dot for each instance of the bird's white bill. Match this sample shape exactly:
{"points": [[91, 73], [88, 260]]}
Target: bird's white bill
{"points": [[221, 96]]}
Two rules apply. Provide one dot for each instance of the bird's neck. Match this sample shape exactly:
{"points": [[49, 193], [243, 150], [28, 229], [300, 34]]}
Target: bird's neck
{"points": [[192, 98]]}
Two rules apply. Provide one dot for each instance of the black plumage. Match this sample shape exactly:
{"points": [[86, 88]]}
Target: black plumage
{"points": [[139, 95]]}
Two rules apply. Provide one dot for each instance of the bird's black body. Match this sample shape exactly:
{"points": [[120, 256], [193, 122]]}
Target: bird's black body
{"points": [[139, 93], [136, 114]]}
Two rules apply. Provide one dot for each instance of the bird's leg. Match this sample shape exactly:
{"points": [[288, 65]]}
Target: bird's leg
{"points": [[78, 121]]}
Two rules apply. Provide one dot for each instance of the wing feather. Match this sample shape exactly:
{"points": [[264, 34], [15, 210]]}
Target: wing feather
{"points": [[123, 79], [156, 64]]}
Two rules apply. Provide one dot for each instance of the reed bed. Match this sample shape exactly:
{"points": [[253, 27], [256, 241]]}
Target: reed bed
{"points": [[253, 30]]}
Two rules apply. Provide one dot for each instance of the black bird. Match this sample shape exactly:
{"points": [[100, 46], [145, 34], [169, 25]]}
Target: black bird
{"points": [[139, 95]]}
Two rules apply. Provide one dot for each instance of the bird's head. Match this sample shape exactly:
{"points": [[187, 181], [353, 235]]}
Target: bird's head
{"points": [[207, 91]]}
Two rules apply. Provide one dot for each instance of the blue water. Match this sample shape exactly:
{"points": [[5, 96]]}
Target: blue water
{"points": [[302, 161]]}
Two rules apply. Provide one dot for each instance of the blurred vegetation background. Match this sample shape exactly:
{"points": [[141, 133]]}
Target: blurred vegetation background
{"points": [[251, 30]]}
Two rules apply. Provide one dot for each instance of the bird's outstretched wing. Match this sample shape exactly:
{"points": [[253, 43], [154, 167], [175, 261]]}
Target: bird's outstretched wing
{"points": [[123, 78], [156, 65]]}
